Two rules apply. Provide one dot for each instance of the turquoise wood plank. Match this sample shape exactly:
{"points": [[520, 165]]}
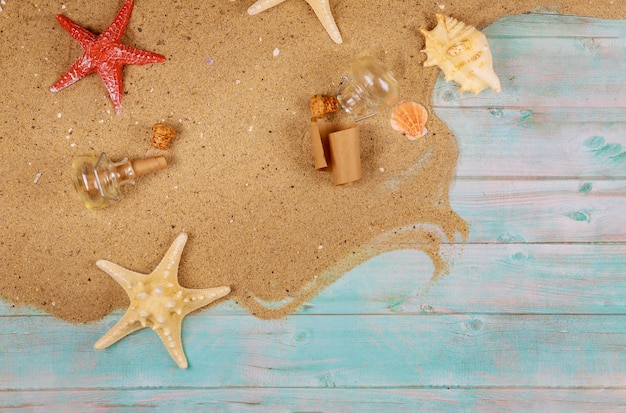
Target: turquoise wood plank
{"points": [[552, 25], [253, 400], [603, 90], [498, 279], [564, 211], [325, 351], [600, 90], [540, 142]]}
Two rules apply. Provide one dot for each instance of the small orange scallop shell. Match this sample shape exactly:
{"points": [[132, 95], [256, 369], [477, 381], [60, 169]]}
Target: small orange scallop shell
{"points": [[410, 119]]}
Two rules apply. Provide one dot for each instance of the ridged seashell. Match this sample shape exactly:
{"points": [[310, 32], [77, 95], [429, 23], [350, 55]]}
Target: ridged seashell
{"points": [[462, 53], [323, 105], [410, 119]]}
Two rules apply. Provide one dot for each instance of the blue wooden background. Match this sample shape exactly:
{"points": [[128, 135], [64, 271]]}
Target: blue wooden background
{"points": [[531, 318]]}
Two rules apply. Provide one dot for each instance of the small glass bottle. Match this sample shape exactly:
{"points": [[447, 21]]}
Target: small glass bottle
{"points": [[98, 180], [371, 85]]}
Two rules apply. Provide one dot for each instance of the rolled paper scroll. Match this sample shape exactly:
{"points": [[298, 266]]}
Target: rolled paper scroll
{"points": [[336, 147], [319, 143]]}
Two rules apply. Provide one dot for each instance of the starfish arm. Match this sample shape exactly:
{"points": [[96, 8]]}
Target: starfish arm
{"points": [[111, 76], [128, 55], [116, 29], [262, 5], [126, 325], [80, 34], [171, 259], [81, 68], [124, 277], [196, 299], [170, 335], [324, 14]]}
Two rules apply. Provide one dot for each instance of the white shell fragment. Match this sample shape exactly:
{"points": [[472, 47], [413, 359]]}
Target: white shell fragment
{"points": [[462, 53]]}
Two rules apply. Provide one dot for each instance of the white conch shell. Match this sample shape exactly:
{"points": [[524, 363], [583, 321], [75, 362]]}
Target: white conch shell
{"points": [[462, 53]]}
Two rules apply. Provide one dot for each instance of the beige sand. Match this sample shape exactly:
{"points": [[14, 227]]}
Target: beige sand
{"points": [[240, 177]]}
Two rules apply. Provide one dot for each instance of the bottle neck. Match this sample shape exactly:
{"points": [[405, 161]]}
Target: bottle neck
{"points": [[351, 98], [124, 173], [112, 176]]}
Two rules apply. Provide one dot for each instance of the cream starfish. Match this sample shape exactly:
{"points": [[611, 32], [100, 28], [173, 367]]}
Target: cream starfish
{"points": [[320, 7], [158, 301]]}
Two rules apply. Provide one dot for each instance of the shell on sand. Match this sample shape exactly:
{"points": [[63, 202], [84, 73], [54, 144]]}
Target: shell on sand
{"points": [[462, 53], [410, 119]]}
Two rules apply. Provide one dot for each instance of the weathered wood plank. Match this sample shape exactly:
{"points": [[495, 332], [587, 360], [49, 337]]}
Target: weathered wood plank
{"points": [[325, 351], [252, 400], [504, 279], [544, 142], [600, 88], [552, 25], [595, 92], [584, 60], [551, 211]]}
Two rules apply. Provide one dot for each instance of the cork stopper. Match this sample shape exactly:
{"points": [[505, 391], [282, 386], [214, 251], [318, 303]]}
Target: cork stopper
{"points": [[323, 105], [162, 135], [148, 165]]}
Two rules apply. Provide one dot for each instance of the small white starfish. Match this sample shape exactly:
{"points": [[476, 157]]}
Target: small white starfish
{"points": [[158, 301], [320, 7]]}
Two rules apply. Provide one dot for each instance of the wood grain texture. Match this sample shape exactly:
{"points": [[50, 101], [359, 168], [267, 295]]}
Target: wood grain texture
{"points": [[254, 400], [548, 211], [531, 317], [563, 143], [362, 351]]}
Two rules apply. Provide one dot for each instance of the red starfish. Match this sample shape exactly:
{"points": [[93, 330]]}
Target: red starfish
{"points": [[104, 54]]}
